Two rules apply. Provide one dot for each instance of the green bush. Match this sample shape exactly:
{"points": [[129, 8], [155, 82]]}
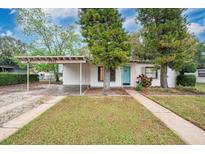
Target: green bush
{"points": [[186, 80], [139, 87], [189, 68], [11, 79]]}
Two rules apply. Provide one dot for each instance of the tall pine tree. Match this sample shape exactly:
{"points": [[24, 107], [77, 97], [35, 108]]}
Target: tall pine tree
{"points": [[164, 35], [106, 39]]}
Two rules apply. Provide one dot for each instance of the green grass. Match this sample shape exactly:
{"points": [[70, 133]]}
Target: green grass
{"points": [[191, 108], [200, 86], [163, 91], [95, 120]]}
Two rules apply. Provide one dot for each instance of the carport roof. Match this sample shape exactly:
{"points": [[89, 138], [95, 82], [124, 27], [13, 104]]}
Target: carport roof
{"points": [[62, 59], [51, 59]]}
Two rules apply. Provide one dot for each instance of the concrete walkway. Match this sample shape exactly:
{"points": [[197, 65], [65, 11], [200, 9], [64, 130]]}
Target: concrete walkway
{"points": [[188, 132], [14, 125]]}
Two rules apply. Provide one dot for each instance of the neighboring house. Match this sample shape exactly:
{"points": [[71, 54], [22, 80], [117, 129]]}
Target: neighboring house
{"points": [[200, 75], [7, 68], [46, 76], [12, 69], [200, 72]]}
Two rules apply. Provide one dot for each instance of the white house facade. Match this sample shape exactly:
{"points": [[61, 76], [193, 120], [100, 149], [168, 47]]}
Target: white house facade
{"points": [[78, 72], [125, 76]]}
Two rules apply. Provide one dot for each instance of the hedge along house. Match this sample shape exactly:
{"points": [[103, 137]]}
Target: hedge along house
{"points": [[79, 72]]}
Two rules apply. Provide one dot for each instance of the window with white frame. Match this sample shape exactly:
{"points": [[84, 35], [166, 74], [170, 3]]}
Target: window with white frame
{"points": [[151, 72], [201, 73]]}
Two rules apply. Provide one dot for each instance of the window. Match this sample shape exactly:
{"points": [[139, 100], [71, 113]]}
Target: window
{"points": [[151, 72], [101, 74], [201, 73], [112, 75]]}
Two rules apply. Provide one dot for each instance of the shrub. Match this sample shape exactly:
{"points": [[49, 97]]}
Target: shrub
{"points": [[144, 80], [189, 68], [186, 80], [11, 78], [139, 87]]}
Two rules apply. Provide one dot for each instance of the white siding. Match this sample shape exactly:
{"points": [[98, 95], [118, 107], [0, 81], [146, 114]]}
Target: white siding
{"points": [[199, 79], [133, 72], [140, 69], [71, 74]]}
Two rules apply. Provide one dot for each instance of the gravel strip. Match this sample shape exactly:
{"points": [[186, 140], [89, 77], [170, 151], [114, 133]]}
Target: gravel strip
{"points": [[7, 99], [11, 114]]}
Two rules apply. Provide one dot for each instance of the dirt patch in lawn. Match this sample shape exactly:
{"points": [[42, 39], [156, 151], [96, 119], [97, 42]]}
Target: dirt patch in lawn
{"points": [[112, 92]]}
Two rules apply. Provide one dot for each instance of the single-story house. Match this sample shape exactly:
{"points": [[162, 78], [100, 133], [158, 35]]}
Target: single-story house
{"points": [[4, 68], [125, 76], [78, 71]]}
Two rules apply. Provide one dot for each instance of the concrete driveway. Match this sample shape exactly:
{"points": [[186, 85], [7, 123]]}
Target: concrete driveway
{"points": [[58, 90], [19, 108]]}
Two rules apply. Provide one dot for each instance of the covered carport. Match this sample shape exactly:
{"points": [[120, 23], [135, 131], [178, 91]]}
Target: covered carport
{"points": [[53, 60]]}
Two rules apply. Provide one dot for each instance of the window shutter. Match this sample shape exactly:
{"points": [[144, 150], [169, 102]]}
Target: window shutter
{"points": [[98, 73], [112, 75]]}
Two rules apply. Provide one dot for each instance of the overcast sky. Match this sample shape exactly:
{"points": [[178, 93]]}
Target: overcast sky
{"points": [[8, 26]]}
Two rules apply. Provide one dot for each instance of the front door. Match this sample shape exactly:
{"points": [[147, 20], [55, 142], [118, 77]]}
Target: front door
{"points": [[126, 76]]}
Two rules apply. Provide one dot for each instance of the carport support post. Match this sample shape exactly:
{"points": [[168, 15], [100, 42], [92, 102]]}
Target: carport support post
{"points": [[80, 78], [27, 76]]}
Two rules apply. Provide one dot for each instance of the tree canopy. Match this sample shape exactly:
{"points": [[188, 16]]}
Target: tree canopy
{"points": [[200, 55], [138, 51], [107, 40], [10, 47], [166, 39], [51, 37]]}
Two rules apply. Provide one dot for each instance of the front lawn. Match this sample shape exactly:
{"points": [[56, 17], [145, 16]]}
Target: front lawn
{"points": [[163, 91], [191, 108], [95, 120], [179, 90], [200, 86]]}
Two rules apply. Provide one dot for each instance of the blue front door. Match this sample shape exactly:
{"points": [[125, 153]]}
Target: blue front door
{"points": [[126, 75]]}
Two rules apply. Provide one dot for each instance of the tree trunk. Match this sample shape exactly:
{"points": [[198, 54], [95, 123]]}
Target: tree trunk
{"points": [[163, 76], [56, 73], [57, 77], [106, 81]]}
